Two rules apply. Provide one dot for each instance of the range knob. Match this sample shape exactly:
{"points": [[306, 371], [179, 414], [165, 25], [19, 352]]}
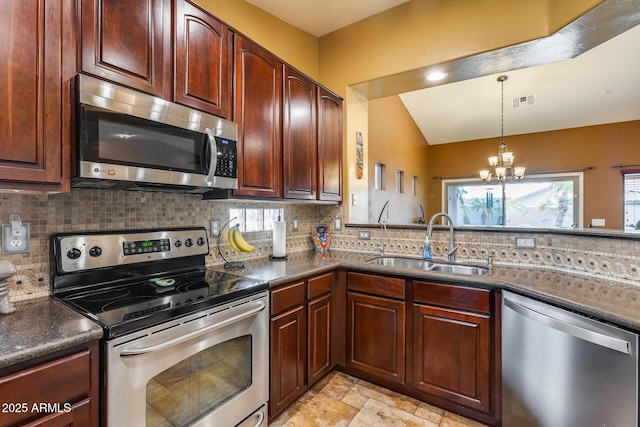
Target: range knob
{"points": [[178, 243], [188, 243], [74, 253], [95, 251], [200, 241]]}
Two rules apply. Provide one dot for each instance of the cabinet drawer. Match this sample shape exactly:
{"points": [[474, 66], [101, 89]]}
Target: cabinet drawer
{"points": [[320, 285], [453, 296], [378, 285], [61, 381], [287, 296]]}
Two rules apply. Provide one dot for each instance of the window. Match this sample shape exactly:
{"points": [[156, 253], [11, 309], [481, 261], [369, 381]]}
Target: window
{"points": [[255, 219], [379, 176], [548, 201], [631, 200], [399, 181]]}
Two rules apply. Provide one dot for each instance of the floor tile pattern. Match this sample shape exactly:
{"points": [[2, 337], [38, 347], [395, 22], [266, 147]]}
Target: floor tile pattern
{"points": [[340, 400]]}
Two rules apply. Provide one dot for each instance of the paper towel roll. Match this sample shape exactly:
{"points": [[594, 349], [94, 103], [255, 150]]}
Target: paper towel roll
{"points": [[279, 239]]}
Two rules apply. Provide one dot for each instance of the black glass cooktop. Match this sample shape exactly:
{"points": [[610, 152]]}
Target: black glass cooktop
{"points": [[142, 303]]}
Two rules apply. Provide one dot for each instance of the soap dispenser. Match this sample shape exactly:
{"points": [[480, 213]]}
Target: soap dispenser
{"points": [[426, 251]]}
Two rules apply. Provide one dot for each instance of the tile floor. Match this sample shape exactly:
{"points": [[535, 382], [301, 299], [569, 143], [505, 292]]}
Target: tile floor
{"points": [[345, 401]]}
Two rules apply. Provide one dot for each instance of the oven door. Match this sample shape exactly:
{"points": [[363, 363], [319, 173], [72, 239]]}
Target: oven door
{"points": [[207, 369]]}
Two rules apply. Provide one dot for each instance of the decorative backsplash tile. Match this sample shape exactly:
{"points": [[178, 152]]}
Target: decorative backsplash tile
{"points": [[606, 257]]}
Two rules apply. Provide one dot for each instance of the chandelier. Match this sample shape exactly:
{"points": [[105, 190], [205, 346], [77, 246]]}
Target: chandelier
{"points": [[502, 168]]}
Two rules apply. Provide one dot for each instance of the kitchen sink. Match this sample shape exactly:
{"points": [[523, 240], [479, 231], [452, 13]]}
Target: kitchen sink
{"points": [[402, 262], [459, 269], [427, 265]]}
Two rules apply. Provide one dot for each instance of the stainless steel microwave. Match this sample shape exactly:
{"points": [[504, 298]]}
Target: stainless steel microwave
{"points": [[128, 140]]}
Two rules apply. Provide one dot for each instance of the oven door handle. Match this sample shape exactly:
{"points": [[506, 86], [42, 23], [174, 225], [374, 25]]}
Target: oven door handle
{"points": [[260, 305]]}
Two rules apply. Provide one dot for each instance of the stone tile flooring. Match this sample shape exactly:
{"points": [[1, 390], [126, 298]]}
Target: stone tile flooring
{"points": [[345, 401]]}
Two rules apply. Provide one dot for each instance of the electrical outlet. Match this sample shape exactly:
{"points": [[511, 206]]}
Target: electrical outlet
{"points": [[215, 228], [294, 224], [15, 238], [364, 235], [525, 242], [337, 224]]}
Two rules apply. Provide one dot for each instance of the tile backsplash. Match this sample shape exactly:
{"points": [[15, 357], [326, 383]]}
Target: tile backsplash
{"points": [[101, 210]]}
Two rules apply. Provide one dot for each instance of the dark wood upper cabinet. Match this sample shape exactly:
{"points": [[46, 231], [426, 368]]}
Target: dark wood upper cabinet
{"points": [[204, 51], [128, 42], [300, 145], [258, 92], [329, 146], [33, 152]]}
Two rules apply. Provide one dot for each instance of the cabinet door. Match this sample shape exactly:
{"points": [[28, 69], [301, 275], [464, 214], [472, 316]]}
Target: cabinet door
{"points": [[319, 338], [288, 358], [329, 146], [258, 114], [203, 60], [128, 42], [31, 146], [300, 144], [376, 336], [452, 353]]}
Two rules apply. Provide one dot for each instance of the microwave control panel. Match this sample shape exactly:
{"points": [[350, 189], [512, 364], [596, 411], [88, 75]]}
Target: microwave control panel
{"points": [[227, 153]]}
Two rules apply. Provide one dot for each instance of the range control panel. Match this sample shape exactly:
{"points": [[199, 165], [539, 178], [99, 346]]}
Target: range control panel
{"points": [[77, 252]]}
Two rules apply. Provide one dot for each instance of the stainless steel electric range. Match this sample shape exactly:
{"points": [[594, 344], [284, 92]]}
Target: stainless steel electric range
{"points": [[183, 345]]}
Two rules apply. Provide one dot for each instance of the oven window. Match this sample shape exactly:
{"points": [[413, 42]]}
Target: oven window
{"points": [[191, 389]]}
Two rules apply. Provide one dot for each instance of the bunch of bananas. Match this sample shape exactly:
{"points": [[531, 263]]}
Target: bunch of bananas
{"points": [[237, 242]]}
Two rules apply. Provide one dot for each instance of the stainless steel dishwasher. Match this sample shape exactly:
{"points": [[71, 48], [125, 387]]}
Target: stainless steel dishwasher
{"points": [[562, 369]]}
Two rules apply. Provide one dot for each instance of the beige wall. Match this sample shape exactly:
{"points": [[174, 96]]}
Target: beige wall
{"points": [[396, 141], [426, 32], [291, 44]]}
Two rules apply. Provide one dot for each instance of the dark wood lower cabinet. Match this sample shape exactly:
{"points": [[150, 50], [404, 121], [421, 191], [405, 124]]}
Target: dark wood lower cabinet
{"points": [[436, 342], [376, 336], [301, 338], [319, 339], [451, 355], [288, 358], [60, 390]]}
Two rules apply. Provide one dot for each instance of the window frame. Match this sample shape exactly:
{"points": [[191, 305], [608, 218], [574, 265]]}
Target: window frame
{"points": [[578, 205], [635, 175]]}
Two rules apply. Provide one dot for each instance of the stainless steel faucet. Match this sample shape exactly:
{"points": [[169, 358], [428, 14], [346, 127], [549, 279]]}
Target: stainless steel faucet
{"points": [[451, 250]]}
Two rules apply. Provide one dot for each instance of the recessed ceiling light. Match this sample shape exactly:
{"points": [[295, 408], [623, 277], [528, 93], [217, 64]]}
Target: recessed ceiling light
{"points": [[436, 76]]}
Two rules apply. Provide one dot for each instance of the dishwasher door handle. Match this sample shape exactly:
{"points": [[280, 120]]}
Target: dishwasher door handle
{"points": [[594, 337]]}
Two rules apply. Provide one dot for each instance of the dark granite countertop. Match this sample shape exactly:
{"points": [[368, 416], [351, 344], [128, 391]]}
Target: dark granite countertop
{"points": [[41, 326], [44, 325], [608, 300]]}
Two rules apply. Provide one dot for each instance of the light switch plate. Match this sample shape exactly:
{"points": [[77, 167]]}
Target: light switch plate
{"points": [[525, 242], [337, 224], [294, 224], [364, 235]]}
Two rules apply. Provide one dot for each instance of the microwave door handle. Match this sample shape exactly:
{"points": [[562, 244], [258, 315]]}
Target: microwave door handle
{"points": [[213, 161]]}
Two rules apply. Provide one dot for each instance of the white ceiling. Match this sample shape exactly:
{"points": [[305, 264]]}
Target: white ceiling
{"points": [[599, 86], [322, 17]]}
